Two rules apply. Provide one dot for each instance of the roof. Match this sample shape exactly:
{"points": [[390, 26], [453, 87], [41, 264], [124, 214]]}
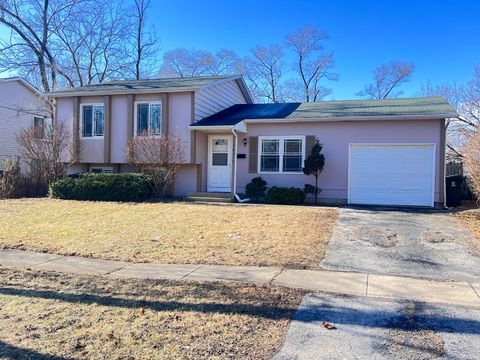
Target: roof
{"points": [[24, 83], [147, 86], [415, 108]]}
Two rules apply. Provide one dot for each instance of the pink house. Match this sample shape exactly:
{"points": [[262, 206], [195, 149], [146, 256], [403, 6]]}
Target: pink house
{"points": [[382, 152]]}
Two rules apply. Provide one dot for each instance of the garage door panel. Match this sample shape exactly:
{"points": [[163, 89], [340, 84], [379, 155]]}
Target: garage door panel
{"points": [[391, 174]]}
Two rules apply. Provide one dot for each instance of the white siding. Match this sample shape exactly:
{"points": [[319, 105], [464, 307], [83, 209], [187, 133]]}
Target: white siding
{"points": [[18, 106], [215, 98]]}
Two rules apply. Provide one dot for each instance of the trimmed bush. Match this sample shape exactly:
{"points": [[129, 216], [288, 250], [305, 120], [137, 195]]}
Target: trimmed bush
{"points": [[103, 187], [285, 196], [256, 188]]}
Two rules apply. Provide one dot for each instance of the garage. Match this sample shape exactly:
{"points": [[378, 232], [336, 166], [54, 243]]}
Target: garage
{"points": [[391, 174]]}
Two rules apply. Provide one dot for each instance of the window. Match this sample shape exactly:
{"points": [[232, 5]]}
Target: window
{"points": [[42, 126], [93, 120], [220, 152], [282, 154], [148, 119], [100, 170]]}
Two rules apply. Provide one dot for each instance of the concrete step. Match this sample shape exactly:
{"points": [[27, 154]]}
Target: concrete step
{"points": [[222, 195], [209, 199]]}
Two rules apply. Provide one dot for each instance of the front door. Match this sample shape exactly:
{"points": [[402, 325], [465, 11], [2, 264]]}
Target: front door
{"points": [[219, 174]]}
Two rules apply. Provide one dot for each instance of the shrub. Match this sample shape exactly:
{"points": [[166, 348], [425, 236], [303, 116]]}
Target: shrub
{"points": [[9, 179], [286, 196], [103, 187], [256, 188]]}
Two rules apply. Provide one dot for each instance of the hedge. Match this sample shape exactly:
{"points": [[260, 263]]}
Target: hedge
{"points": [[285, 196], [103, 187]]}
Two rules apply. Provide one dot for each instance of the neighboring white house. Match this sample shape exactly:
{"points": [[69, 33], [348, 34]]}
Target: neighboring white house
{"points": [[21, 105]]}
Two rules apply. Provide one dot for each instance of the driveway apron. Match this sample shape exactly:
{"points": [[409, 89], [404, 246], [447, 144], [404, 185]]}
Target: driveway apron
{"points": [[423, 244]]}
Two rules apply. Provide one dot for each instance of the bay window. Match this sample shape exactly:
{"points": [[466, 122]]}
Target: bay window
{"points": [[148, 119], [93, 120], [281, 154]]}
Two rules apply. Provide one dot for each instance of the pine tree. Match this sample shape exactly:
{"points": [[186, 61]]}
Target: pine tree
{"points": [[314, 164]]}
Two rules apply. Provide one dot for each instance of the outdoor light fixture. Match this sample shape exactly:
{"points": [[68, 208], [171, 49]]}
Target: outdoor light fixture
{"points": [[245, 141]]}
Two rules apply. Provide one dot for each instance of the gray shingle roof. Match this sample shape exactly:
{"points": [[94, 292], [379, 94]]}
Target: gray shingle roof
{"points": [[426, 107], [139, 86]]}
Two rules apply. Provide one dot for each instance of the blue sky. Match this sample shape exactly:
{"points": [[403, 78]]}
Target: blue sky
{"points": [[442, 38]]}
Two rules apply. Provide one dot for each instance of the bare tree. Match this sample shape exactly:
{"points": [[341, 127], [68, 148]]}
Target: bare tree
{"points": [[28, 47], [266, 70], [47, 151], [387, 78], [466, 100], [471, 160], [159, 157], [182, 62], [146, 43], [312, 64], [92, 45]]}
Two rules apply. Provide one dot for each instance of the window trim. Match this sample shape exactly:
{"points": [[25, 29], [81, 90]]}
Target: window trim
{"points": [[109, 169], [135, 116], [93, 119], [281, 152]]}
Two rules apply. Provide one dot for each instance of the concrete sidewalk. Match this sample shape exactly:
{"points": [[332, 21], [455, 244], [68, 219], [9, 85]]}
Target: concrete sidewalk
{"points": [[337, 282]]}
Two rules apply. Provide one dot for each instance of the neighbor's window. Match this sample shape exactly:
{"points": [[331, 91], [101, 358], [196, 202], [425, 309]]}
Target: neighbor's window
{"points": [[43, 127], [149, 116], [281, 154], [93, 120]]}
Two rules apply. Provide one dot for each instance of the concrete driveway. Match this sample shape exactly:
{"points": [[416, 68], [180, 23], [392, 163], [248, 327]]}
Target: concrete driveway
{"points": [[379, 329], [425, 244]]}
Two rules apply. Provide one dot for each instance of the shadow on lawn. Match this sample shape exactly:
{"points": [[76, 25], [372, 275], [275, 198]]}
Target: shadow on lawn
{"points": [[12, 352], [266, 311]]}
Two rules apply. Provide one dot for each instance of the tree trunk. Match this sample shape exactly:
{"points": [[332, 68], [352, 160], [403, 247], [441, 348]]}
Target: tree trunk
{"points": [[316, 188]]}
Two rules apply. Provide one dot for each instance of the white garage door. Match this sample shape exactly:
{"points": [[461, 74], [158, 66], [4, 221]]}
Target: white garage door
{"points": [[383, 174]]}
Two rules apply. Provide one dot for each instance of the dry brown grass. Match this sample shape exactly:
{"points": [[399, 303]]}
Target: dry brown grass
{"points": [[287, 236], [87, 317], [470, 218]]}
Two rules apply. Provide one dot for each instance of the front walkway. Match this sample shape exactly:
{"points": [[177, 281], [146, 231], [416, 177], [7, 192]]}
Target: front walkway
{"points": [[343, 283]]}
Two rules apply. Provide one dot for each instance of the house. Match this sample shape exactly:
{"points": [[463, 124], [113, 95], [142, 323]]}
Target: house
{"points": [[21, 105], [383, 152]]}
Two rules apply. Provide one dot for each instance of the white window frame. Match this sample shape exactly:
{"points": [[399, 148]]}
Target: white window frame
{"points": [[93, 105], [135, 117], [104, 169], [281, 151]]}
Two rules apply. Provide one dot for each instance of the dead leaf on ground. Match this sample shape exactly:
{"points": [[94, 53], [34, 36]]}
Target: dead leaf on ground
{"points": [[328, 326]]}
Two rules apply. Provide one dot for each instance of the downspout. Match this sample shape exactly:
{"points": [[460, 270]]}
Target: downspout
{"points": [[235, 195]]}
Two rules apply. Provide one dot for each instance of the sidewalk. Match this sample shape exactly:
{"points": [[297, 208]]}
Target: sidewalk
{"points": [[344, 283]]}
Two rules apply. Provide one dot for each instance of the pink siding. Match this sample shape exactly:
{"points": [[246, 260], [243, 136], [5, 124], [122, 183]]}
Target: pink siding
{"points": [[180, 117], [185, 180], [336, 137], [119, 129], [64, 111]]}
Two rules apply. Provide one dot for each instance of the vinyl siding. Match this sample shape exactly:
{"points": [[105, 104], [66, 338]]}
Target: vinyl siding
{"points": [[18, 106], [215, 98]]}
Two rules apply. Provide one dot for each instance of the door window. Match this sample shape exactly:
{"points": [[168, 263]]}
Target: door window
{"points": [[220, 152]]}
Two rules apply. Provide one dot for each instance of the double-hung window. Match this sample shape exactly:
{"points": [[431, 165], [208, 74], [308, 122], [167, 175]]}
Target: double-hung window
{"points": [[93, 120], [281, 154], [148, 119]]}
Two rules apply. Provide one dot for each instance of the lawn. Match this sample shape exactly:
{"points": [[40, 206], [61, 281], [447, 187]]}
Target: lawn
{"points": [[177, 232], [67, 316], [470, 218]]}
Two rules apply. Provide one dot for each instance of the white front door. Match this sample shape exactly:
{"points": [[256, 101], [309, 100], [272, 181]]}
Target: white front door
{"points": [[219, 175]]}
